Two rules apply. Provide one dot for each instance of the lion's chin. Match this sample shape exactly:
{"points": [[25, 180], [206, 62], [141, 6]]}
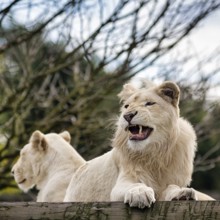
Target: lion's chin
{"points": [[26, 186], [139, 132]]}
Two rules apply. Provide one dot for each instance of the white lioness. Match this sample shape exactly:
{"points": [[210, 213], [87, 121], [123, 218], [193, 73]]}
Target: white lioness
{"points": [[47, 162], [152, 155]]}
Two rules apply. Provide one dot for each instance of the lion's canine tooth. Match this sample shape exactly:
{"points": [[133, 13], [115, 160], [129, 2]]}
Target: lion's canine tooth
{"points": [[140, 129]]}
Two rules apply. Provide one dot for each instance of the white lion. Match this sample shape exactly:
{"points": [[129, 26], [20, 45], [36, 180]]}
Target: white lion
{"points": [[152, 155], [47, 162]]}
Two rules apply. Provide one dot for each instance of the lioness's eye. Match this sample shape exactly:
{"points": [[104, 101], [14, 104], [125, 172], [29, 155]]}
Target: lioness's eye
{"points": [[126, 106], [149, 103]]}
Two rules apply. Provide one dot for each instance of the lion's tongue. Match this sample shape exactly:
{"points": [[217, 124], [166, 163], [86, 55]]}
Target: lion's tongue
{"points": [[139, 133]]}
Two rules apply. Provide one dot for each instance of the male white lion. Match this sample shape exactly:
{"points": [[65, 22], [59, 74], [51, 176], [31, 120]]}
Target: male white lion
{"points": [[152, 155], [47, 162]]}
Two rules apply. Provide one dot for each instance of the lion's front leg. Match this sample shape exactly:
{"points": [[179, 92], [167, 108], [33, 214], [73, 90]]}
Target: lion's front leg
{"points": [[135, 194], [174, 192]]}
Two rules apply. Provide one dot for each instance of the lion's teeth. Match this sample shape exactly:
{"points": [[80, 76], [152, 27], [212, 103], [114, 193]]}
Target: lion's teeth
{"points": [[140, 129]]}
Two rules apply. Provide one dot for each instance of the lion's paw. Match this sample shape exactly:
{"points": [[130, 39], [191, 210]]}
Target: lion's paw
{"points": [[184, 194], [140, 196]]}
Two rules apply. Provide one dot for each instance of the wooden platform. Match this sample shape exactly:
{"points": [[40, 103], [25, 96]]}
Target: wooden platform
{"points": [[175, 210]]}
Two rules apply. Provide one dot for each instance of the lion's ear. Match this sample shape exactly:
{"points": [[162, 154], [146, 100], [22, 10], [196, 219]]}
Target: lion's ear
{"points": [[170, 92], [126, 92], [38, 141], [66, 136]]}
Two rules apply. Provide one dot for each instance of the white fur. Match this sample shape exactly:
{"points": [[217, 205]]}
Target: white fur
{"points": [[141, 172], [48, 163]]}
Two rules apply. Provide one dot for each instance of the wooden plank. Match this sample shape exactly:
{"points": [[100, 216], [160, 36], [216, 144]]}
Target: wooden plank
{"points": [[175, 210]]}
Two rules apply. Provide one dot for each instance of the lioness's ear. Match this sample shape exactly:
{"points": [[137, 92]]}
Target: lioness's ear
{"points": [[66, 136], [126, 92], [170, 92], [38, 141]]}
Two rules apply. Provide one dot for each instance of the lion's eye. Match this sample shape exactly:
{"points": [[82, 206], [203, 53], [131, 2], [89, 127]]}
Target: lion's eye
{"points": [[149, 103], [126, 106]]}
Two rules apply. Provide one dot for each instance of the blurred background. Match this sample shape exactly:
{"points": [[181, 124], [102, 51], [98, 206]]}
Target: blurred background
{"points": [[63, 62]]}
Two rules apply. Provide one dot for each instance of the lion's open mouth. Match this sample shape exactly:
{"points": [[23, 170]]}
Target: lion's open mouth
{"points": [[22, 181], [139, 132]]}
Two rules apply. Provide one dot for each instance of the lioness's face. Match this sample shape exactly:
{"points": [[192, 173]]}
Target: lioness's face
{"points": [[147, 116], [23, 169], [35, 158]]}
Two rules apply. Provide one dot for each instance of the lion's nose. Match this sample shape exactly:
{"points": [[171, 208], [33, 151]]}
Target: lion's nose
{"points": [[12, 172], [128, 117]]}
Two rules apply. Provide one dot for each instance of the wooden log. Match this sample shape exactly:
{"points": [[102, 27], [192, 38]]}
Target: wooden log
{"points": [[175, 210]]}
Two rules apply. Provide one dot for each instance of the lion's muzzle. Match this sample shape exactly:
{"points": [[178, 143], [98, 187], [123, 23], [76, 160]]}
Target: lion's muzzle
{"points": [[139, 132]]}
